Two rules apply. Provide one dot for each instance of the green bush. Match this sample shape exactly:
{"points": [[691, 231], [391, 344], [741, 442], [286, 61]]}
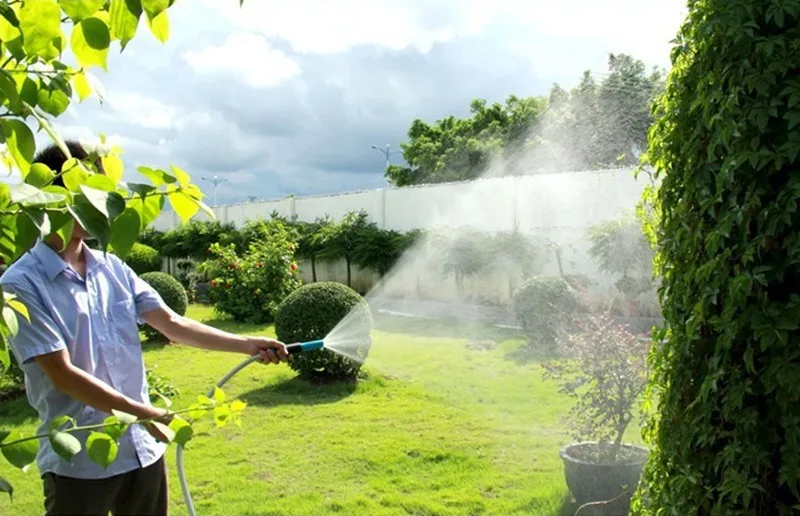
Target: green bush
{"points": [[143, 259], [173, 294], [310, 313], [725, 150], [249, 288], [545, 306], [12, 380]]}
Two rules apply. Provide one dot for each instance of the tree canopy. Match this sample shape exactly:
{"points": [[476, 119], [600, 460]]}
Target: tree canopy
{"points": [[595, 125]]}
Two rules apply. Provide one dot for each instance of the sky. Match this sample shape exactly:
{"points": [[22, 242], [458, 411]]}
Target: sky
{"points": [[281, 98]]}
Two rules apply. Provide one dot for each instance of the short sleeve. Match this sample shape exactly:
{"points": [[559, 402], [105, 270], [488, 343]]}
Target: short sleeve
{"points": [[145, 297], [38, 337]]}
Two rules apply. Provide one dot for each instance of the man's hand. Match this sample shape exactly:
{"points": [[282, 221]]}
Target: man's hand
{"points": [[270, 349]]}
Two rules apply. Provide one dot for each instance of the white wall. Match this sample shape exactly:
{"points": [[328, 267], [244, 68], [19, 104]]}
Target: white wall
{"points": [[557, 207]]}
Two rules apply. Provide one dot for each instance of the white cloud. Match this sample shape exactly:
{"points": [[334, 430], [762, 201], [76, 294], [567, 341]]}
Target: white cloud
{"points": [[323, 27], [143, 111], [247, 56]]}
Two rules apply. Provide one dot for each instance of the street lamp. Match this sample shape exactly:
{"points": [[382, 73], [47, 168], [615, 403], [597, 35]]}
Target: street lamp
{"points": [[386, 152], [216, 181]]}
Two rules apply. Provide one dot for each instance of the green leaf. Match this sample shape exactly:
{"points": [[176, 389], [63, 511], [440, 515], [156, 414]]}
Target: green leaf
{"points": [[222, 415], [110, 204], [40, 219], [101, 448], [182, 429], [124, 417], [90, 41], [219, 395], [101, 182], [91, 220], [125, 16], [60, 421], [20, 143], [44, 123], [40, 22], [148, 209], [154, 7], [64, 444], [74, 174], [79, 10], [53, 100], [125, 231], [20, 455], [197, 411], [27, 233], [63, 225], [8, 87], [39, 175], [114, 428], [82, 86], [5, 486], [8, 13], [114, 167], [159, 26], [28, 195], [11, 321], [184, 206], [165, 430], [181, 175], [157, 177], [20, 308], [29, 91]]}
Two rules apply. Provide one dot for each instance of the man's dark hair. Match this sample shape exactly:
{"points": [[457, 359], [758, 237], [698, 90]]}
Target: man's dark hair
{"points": [[55, 158]]}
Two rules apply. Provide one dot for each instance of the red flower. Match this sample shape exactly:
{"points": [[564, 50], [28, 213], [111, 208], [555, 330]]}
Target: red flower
{"points": [[233, 265], [293, 266], [214, 283]]}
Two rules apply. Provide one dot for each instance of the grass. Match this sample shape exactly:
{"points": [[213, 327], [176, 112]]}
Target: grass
{"points": [[444, 424]]}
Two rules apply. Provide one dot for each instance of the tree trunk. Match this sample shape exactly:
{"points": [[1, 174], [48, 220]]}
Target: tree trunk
{"points": [[349, 275], [313, 268]]}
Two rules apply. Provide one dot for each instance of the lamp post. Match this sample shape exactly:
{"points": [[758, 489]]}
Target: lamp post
{"points": [[386, 152], [216, 181]]}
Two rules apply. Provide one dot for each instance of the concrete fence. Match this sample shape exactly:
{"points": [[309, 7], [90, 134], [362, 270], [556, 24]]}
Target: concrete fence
{"points": [[558, 208]]}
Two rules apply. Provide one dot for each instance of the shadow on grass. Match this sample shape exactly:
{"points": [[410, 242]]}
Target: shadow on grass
{"points": [[299, 391]]}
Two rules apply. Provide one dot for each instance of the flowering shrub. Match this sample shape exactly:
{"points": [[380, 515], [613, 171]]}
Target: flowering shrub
{"points": [[249, 288]]}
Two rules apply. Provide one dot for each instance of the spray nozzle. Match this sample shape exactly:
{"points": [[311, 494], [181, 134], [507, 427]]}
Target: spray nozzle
{"points": [[304, 346]]}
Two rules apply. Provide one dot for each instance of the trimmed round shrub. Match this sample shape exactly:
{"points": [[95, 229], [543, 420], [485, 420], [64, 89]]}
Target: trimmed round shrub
{"points": [[310, 313], [143, 259], [173, 294], [545, 306]]}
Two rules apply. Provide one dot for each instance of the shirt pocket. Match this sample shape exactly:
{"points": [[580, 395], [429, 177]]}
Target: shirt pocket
{"points": [[123, 322]]}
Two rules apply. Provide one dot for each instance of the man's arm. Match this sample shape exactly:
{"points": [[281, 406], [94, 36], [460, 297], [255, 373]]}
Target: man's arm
{"points": [[186, 331], [87, 389]]}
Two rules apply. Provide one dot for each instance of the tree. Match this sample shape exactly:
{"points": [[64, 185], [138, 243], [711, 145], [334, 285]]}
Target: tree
{"points": [[309, 246], [594, 126], [724, 152], [36, 86], [455, 149], [339, 240]]}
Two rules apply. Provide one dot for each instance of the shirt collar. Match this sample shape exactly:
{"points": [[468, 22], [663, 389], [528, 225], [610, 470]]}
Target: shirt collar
{"points": [[53, 263]]}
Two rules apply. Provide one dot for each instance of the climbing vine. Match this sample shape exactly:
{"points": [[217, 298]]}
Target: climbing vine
{"points": [[724, 398]]}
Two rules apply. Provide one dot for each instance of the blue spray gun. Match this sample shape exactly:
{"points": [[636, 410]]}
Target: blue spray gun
{"points": [[291, 349]]}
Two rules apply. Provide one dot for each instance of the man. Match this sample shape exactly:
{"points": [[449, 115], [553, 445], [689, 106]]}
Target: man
{"points": [[82, 357]]}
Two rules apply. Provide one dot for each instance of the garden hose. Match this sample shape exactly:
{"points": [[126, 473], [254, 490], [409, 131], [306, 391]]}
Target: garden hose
{"points": [[290, 349]]}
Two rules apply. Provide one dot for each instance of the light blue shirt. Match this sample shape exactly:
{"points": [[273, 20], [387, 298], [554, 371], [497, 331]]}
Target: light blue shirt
{"points": [[95, 319]]}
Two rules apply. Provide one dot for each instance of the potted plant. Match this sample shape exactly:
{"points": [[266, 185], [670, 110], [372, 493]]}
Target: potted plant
{"points": [[605, 372]]}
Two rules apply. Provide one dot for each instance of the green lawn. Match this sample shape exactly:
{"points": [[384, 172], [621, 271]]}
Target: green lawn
{"points": [[446, 423]]}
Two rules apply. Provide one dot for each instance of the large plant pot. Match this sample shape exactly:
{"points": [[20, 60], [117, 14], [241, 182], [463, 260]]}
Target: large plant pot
{"points": [[591, 481]]}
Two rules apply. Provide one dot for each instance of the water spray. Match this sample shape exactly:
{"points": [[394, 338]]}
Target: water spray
{"points": [[290, 349]]}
